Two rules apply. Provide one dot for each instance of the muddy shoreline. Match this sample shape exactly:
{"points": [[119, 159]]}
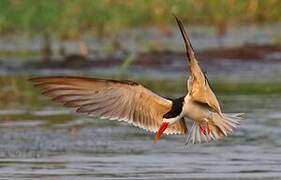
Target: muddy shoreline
{"points": [[269, 53]]}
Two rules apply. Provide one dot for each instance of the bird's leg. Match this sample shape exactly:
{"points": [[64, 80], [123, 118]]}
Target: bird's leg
{"points": [[189, 134]]}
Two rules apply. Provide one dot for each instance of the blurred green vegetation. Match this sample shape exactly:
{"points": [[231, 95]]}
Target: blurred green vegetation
{"points": [[16, 91], [68, 19], [19, 54], [170, 87]]}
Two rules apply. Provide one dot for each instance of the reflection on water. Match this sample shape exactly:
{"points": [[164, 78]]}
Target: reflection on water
{"points": [[56, 144]]}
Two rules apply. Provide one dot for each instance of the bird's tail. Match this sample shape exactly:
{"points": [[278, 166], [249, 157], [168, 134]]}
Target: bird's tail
{"points": [[215, 128]]}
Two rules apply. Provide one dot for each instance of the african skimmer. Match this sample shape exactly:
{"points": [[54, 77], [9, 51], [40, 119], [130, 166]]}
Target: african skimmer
{"points": [[133, 103]]}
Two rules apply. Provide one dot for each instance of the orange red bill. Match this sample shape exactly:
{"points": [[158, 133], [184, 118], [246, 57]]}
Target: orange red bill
{"points": [[160, 131]]}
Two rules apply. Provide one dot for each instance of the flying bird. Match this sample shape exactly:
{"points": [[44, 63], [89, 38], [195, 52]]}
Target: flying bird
{"points": [[135, 104]]}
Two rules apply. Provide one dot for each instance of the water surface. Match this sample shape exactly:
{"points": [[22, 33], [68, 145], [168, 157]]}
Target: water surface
{"points": [[53, 143]]}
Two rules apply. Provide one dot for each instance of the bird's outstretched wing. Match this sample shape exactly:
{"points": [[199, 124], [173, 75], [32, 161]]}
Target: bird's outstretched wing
{"points": [[110, 99], [198, 85]]}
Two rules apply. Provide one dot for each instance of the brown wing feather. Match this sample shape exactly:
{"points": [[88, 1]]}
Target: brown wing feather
{"points": [[198, 85], [110, 99]]}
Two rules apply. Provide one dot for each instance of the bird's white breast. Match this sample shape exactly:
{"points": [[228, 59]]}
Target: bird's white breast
{"points": [[194, 110]]}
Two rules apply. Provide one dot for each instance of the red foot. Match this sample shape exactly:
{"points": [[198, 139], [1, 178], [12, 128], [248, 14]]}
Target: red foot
{"points": [[204, 128]]}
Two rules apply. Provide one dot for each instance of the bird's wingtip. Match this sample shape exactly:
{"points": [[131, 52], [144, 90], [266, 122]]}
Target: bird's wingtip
{"points": [[188, 46]]}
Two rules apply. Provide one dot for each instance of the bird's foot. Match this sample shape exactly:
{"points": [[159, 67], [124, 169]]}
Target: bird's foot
{"points": [[204, 128]]}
